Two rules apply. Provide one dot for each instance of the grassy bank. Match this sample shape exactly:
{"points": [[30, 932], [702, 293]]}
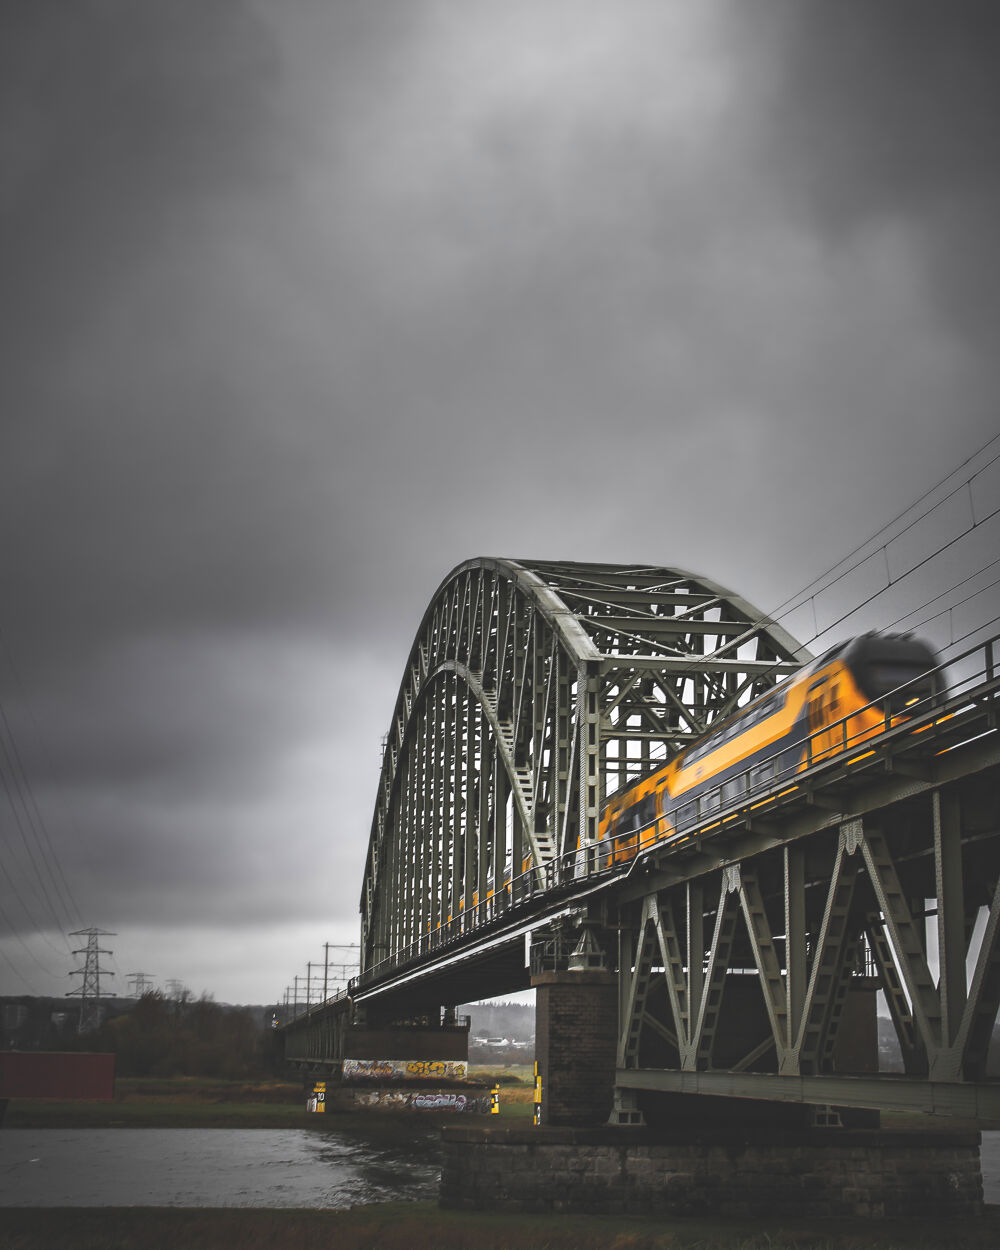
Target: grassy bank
{"points": [[421, 1226], [192, 1102], [178, 1102]]}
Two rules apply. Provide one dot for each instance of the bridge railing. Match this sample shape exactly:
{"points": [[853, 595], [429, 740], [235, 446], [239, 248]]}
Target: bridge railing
{"points": [[975, 683]]}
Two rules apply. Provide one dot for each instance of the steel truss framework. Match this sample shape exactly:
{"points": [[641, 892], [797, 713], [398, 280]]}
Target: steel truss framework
{"points": [[532, 692], [810, 921]]}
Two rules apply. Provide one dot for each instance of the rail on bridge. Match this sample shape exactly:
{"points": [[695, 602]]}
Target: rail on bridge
{"points": [[738, 957]]}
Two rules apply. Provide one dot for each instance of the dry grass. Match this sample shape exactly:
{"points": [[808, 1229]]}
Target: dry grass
{"points": [[181, 1102]]}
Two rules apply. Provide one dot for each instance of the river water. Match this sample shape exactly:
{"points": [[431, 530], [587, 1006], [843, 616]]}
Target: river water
{"points": [[213, 1167], [240, 1167]]}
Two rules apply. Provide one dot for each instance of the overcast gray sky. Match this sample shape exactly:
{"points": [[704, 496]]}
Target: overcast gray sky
{"points": [[304, 302]]}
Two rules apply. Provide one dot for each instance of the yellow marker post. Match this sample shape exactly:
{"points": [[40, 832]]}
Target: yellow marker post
{"points": [[495, 1100], [538, 1096], [316, 1101]]}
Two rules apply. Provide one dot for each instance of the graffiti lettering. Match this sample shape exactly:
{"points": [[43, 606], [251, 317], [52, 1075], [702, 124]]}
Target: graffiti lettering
{"points": [[404, 1069], [424, 1101], [397, 1098], [369, 1069], [437, 1068]]}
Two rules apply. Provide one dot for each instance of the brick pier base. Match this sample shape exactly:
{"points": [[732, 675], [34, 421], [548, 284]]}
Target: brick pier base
{"points": [[576, 1037], [832, 1173]]}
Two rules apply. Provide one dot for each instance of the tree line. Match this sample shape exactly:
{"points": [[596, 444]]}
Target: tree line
{"points": [[184, 1036]]}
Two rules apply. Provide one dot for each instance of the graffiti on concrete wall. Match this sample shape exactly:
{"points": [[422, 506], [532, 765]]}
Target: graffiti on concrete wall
{"points": [[437, 1068], [404, 1069], [400, 1099], [428, 1102], [369, 1069]]}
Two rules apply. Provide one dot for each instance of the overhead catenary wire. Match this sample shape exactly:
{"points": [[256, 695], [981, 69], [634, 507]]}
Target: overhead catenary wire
{"points": [[950, 608], [957, 586], [906, 573], [813, 588]]}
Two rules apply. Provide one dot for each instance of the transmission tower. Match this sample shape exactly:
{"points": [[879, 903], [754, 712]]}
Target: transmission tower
{"points": [[140, 982], [90, 990]]}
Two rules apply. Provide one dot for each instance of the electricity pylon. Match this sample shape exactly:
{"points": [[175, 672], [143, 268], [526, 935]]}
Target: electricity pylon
{"points": [[90, 990], [140, 982]]}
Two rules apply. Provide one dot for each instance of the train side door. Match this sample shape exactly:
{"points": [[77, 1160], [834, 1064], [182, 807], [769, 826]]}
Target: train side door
{"points": [[816, 721]]}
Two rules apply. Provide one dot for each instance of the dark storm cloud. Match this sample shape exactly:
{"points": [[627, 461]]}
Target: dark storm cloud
{"points": [[115, 117], [305, 303], [891, 112], [125, 127]]}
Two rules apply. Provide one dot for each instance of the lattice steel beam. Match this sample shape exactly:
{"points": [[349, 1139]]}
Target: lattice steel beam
{"points": [[533, 690]]}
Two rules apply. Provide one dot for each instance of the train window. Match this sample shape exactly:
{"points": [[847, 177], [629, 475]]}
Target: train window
{"points": [[711, 802], [685, 815], [761, 774], [734, 789], [629, 821]]}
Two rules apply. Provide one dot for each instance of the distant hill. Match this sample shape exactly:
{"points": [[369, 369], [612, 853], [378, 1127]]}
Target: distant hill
{"points": [[514, 1021], [500, 1033]]}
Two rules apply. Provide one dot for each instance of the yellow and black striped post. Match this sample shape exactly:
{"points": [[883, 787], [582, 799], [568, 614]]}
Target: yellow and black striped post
{"points": [[537, 1119]]}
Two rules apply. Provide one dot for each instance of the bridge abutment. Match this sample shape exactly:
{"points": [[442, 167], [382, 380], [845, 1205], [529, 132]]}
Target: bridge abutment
{"points": [[817, 1174]]}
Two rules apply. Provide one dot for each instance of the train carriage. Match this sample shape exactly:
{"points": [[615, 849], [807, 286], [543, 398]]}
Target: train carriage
{"points": [[850, 694]]}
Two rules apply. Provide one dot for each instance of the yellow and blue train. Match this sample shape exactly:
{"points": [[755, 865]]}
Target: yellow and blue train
{"points": [[843, 699]]}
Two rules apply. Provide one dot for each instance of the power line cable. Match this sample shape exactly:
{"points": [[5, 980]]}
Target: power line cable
{"points": [[946, 610], [16, 933], [978, 629], [801, 597], [893, 581], [66, 895], [884, 548], [19, 822], [17, 972], [957, 586], [29, 914], [36, 821]]}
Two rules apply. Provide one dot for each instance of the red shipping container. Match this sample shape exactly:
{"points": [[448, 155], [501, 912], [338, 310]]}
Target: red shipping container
{"points": [[56, 1074]]}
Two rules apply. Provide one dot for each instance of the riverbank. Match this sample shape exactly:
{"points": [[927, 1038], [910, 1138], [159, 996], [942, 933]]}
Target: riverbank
{"points": [[176, 1102], [194, 1102], [422, 1226]]}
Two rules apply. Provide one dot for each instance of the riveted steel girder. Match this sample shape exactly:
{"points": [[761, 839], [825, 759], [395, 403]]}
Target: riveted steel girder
{"points": [[532, 691]]}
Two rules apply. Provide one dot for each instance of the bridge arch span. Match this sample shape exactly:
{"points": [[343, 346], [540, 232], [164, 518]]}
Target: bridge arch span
{"points": [[533, 690]]}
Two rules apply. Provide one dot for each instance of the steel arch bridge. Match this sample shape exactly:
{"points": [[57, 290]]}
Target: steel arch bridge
{"points": [[532, 692]]}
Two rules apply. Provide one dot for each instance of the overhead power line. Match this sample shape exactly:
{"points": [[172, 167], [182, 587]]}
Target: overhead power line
{"points": [[893, 581], [43, 870], [820, 583]]}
